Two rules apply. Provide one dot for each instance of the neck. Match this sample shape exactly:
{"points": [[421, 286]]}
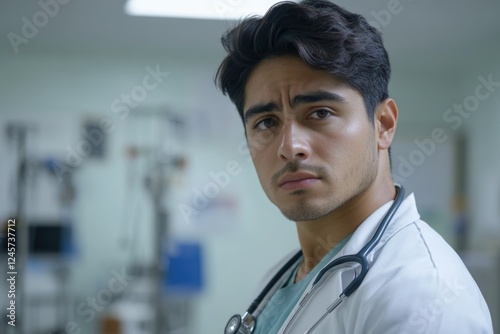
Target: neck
{"points": [[319, 237]]}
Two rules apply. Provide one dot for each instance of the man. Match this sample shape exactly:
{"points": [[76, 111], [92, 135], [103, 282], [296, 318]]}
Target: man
{"points": [[310, 82]]}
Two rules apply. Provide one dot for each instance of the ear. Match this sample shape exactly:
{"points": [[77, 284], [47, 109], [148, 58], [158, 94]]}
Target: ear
{"points": [[386, 119]]}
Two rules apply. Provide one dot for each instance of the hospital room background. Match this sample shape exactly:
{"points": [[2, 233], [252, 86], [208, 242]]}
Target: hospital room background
{"points": [[126, 180]]}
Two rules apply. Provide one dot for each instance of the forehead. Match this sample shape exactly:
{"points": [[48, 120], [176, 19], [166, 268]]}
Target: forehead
{"points": [[278, 77]]}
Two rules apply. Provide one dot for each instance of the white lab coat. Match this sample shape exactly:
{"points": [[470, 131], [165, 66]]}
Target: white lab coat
{"points": [[416, 284]]}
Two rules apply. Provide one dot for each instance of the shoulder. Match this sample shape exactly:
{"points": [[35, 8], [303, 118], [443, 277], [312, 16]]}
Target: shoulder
{"points": [[418, 284]]}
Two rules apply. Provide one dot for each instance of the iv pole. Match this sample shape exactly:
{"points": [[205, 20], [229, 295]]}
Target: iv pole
{"points": [[157, 184]]}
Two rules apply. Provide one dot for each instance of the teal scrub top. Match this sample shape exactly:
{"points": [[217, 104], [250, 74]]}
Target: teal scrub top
{"points": [[284, 300]]}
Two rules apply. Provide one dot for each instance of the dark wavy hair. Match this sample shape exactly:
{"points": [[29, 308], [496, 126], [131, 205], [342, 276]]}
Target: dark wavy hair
{"points": [[322, 34]]}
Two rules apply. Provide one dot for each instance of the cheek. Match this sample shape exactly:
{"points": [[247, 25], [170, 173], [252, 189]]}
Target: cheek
{"points": [[358, 134], [255, 152], [260, 140], [259, 161], [264, 161], [262, 148], [355, 126], [263, 168], [346, 145]]}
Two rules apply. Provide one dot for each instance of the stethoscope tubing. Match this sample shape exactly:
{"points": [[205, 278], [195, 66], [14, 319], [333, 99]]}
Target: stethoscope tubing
{"points": [[255, 304], [359, 258]]}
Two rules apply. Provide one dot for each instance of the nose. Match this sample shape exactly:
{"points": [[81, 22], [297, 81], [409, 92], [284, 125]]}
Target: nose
{"points": [[294, 142]]}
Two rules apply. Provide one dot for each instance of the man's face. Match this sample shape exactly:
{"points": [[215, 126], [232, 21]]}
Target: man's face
{"points": [[310, 138]]}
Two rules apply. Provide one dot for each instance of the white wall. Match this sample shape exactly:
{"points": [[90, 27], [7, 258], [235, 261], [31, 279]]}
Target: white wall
{"points": [[484, 163], [422, 165], [483, 183]]}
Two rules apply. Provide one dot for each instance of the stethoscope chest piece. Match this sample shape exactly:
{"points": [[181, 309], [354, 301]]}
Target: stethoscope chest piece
{"points": [[240, 325], [233, 324]]}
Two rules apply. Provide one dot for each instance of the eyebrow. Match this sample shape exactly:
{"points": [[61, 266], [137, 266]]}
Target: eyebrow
{"points": [[259, 109], [316, 96], [311, 97]]}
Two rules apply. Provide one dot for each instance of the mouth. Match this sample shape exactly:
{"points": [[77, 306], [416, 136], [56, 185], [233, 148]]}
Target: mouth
{"points": [[297, 181]]}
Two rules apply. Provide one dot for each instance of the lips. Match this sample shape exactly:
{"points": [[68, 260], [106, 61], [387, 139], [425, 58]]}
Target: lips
{"points": [[297, 180]]}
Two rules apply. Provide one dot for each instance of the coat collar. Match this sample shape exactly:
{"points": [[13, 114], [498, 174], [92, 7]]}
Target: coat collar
{"points": [[405, 215]]}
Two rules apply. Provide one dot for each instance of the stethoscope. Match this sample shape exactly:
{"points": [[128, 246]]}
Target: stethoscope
{"points": [[246, 324]]}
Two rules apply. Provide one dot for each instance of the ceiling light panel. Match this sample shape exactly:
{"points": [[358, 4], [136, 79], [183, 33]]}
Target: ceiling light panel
{"points": [[198, 9]]}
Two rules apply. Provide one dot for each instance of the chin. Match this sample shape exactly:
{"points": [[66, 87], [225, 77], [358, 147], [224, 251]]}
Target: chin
{"points": [[306, 212]]}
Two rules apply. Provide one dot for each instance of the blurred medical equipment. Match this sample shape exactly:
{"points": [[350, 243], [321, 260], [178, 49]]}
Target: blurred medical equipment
{"points": [[155, 163], [40, 244]]}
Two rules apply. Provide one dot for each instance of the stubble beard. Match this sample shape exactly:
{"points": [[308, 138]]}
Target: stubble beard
{"points": [[308, 209]]}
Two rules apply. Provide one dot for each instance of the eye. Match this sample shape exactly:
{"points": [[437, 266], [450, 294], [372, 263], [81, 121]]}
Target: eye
{"points": [[320, 113], [266, 123]]}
